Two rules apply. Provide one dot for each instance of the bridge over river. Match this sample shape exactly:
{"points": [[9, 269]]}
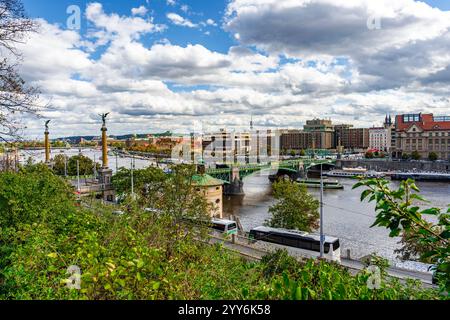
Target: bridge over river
{"points": [[234, 174]]}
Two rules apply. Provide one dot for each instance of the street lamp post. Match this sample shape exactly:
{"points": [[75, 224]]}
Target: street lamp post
{"points": [[78, 175], [322, 237], [117, 162], [95, 167], [65, 165], [132, 176]]}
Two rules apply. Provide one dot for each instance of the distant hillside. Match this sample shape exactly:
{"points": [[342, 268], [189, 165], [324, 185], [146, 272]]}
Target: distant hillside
{"points": [[77, 139]]}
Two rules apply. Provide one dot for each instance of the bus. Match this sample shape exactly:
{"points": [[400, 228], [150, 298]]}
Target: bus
{"points": [[305, 242], [224, 226]]}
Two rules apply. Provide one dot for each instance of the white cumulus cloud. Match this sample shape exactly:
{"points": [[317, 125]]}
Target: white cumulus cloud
{"points": [[180, 21]]}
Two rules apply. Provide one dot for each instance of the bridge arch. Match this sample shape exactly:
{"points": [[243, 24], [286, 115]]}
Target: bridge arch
{"points": [[233, 175], [325, 166]]}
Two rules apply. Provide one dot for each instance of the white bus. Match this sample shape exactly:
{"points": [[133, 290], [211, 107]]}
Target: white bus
{"points": [[302, 241], [227, 227], [222, 226]]}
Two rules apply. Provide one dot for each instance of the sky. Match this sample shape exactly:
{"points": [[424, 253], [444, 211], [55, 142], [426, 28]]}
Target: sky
{"points": [[160, 65]]}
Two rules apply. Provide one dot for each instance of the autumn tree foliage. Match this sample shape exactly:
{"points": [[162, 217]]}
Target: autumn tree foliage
{"points": [[16, 98]]}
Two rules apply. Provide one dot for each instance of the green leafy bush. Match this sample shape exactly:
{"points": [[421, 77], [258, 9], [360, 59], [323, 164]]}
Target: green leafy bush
{"points": [[397, 210], [146, 255]]}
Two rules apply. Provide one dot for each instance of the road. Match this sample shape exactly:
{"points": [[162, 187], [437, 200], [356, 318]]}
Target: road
{"points": [[404, 274], [242, 247]]}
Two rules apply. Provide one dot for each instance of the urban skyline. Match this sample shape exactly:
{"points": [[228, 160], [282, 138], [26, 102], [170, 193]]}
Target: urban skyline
{"points": [[394, 139]]}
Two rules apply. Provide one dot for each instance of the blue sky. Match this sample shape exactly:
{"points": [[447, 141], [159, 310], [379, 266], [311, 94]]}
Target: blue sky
{"points": [[442, 4], [174, 63], [198, 10], [55, 12]]}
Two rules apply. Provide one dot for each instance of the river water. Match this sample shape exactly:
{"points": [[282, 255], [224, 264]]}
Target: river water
{"points": [[345, 216], [94, 154]]}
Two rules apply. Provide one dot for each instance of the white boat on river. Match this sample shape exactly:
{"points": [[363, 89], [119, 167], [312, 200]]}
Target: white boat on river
{"points": [[354, 172]]}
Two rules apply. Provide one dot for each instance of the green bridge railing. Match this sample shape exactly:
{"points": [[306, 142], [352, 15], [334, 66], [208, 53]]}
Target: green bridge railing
{"points": [[248, 169]]}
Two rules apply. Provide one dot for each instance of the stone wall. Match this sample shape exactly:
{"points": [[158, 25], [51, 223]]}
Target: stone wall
{"points": [[385, 165]]}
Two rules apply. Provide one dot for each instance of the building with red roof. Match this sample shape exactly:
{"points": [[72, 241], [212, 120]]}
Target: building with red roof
{"points": [[424, 133]]}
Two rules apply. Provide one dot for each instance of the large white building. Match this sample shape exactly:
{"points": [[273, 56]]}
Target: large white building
{"points": [[248, 147], [225, 147], [380, 138]]}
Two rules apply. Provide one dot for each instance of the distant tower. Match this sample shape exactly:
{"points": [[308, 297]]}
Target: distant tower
{"points": [[388, 121], [251, 123]]}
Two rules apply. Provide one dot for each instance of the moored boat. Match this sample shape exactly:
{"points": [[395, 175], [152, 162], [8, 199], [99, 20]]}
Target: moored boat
{"points": [[354, 173], [315, 183]]}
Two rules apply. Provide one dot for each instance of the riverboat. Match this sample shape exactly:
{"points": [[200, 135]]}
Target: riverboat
{"points": [[327, 184], [354, 173]]}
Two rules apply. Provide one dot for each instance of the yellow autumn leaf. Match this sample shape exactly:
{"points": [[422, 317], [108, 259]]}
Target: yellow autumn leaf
{"points": [[111, 266]]}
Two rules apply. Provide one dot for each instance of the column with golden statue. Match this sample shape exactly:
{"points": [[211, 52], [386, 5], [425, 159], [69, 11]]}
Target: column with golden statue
{"points": [[105, 174], [47, 143], [104, 142]]}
